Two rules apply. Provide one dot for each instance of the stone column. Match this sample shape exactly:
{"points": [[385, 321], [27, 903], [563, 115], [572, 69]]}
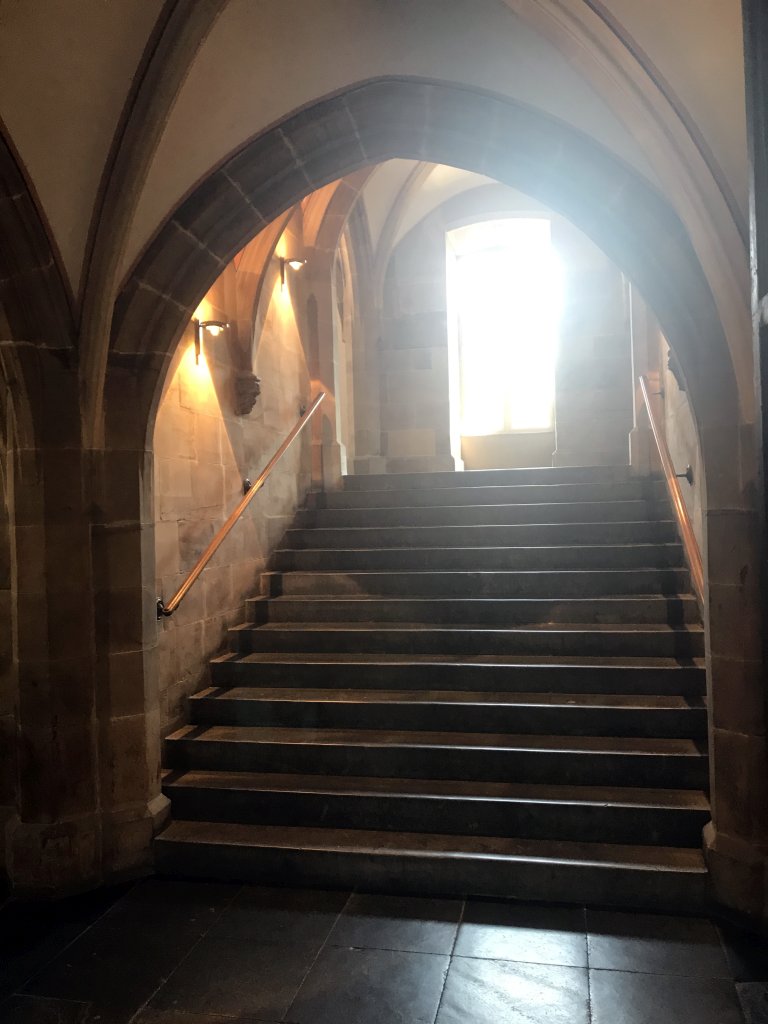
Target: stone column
{"points": [[312, 295], [645, 347], [55, 842], [415, 394]]}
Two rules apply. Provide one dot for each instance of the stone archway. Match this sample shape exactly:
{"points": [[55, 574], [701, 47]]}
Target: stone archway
{"points": [[623, 214]]}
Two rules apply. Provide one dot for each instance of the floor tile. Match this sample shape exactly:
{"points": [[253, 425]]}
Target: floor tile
{"points": [[392, 922], [149, 1015], [506, 931], [753, 996], [371, 986], [504, 992], [747, 954], [655, 944], [119, 962], [239, 980], [280, 915], [629, 998], [37, 1010], [32, 933]]}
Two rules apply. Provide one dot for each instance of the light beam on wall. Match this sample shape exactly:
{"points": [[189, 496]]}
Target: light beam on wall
{"points": [[214, 328]]}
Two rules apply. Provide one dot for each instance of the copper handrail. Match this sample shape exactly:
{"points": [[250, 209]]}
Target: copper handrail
{"points": [[690, 544], [164, 610]]}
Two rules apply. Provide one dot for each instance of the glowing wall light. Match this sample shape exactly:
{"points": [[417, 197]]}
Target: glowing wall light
{"points": [[214, 328], [287, 261]]}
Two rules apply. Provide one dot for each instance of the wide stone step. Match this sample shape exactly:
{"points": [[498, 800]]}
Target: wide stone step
{"points": [[557, 558], [498, 757], [449, 710], [636, 876], [589, 814], [408, 638], [483, 477], [653, 676], [492, 611], [524, 535], [478, 515], [531, 584], [519, 494]]}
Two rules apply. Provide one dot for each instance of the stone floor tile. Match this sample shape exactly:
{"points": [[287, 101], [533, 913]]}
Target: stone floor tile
{"points": [[32, 933], [533, 934], [505, 992], [240, 980], [371, 986], [149, 1015], [38, 1010], [620, 997], [119, 962], [655, 944], [753, 996], [398, 922], [747, 954], [280, 915]]}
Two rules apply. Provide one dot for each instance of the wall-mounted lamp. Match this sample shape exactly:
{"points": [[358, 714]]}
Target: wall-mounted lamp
{"points": [[214, 328], [293, 263]]}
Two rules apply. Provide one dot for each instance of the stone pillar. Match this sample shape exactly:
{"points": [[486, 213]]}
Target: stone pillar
{"points": [[312, 294], [644, 333], [55, 842], [593, 397], [413, 361]]}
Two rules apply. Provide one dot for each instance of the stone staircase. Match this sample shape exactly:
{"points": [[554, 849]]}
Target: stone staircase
{"points": [[483, 683]]}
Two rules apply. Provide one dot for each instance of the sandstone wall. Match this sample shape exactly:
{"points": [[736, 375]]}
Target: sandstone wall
{"points": [[203, 452]]}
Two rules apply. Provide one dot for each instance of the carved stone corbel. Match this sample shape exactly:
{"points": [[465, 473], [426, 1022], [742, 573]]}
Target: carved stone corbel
{"points": [[247, 390]]}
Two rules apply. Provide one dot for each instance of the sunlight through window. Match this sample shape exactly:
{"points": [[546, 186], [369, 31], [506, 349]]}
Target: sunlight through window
{"points": [[507, 297]]}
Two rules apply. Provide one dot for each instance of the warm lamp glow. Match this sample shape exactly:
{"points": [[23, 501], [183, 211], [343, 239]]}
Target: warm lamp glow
{"points": [[289, 261], [214, 328]]}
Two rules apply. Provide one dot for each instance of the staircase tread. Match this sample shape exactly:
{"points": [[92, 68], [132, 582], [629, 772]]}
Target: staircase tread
{"points": [[497, 661], [548, 627], [430, 697], [645, 545], [449, 600], [484, 525], [478, 572], [453, 740], [681, 799], [646, 858]]}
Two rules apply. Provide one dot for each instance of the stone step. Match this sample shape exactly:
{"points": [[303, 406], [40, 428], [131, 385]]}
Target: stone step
{"points": [[666, 878], [483, 477], [541, 584], [478, 515], [516, 535], [449, 710], [408, 638], [660, 676], [490, 611], [558, 558], [497, 757], [515, 494], [589, 814]]}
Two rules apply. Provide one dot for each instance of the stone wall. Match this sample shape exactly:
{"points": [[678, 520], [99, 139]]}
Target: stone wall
{"points": [[7, 678], [682, 441], [203, 453], [413, 359], [593, 381], [593, 385]]}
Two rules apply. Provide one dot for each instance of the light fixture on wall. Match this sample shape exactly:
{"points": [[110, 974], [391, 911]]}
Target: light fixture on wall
{"points": [[214, 328], [289, 261]]}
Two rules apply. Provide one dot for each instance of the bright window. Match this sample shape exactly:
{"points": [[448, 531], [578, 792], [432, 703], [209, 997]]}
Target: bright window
{"points": [[506, 294]]}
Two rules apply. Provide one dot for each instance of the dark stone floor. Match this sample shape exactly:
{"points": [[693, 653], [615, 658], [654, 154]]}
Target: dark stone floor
{"points": [[165, 952]]}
